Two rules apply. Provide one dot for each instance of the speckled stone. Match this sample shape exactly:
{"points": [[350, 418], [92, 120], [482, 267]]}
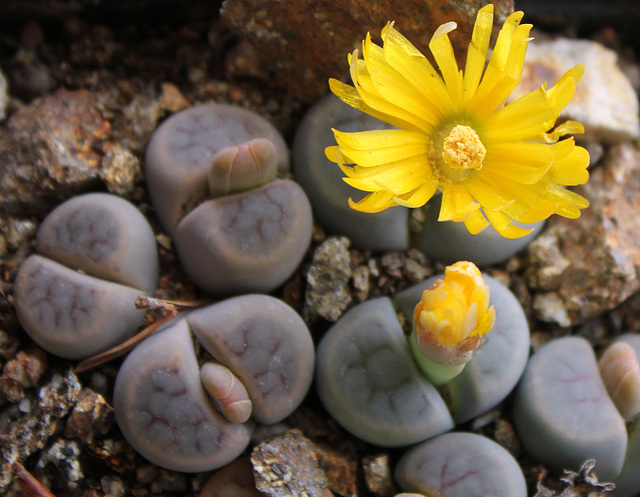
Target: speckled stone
{"points": [[305, 43], [21, 372], [340, 466], [327, 294], [120, 170], [65, 456], [377, 475], [286, 465], [31, 432], [91, 417], [48, 150]]}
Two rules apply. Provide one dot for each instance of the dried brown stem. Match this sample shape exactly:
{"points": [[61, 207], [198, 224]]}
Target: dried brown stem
{"points": [[169, 307], [123, 348], [28, 484]]}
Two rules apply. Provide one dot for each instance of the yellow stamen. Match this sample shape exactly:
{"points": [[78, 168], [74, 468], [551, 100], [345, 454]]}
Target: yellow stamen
{"points": [[462, 149]]}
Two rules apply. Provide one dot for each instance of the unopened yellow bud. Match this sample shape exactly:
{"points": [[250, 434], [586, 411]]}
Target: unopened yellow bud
{"points": [[453, 316]]}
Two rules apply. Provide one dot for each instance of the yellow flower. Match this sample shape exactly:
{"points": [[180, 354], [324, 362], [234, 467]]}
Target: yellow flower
{"points": [[453, 315], [494, 163]]}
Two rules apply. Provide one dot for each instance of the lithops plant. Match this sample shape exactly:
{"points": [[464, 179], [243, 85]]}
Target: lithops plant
{"points": [[190, 416], [460, 465], [570, 408], [98, 255], [369, 381], [211, 172], [627, 482], [562, 411], [620, 373]]}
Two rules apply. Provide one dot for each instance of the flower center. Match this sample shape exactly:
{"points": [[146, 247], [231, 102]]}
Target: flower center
{"points": [[462, 149]]}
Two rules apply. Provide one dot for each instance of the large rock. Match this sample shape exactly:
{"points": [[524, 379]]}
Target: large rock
{"points": [[47, 150], [303, 43], [581, 268]]}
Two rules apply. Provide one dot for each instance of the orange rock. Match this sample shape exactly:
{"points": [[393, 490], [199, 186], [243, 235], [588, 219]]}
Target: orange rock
{"points": [[303, 43]]}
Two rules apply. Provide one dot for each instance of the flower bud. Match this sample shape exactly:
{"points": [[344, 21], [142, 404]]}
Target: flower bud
{"points": [[453, 316]]}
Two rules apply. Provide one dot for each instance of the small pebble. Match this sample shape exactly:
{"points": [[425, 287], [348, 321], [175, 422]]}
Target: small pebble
{"points": [[112, 486], [120, 170], [23, 371], [286, 465], [91, 417], [234, 480], [172, 99], [360, 278], [169, 481], [327, 294], [4, 96], [378, 476], [340, 466], [65, 455]]}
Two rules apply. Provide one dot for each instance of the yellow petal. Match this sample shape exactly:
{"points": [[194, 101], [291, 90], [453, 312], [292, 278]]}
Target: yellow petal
{"points": [[396, 179], [371, 96], [378, 138], [477, 51], [349, 95], [394, 87], [418, 71], [421, 195], [502, 48], [566, 128], [572, 169], [456, 203], [505, 227], [476, 222], [333, 154], [527, 153], [505, 66], [442, 51], [530, 115], [374, 202], [376, 157], [487, 195]]}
